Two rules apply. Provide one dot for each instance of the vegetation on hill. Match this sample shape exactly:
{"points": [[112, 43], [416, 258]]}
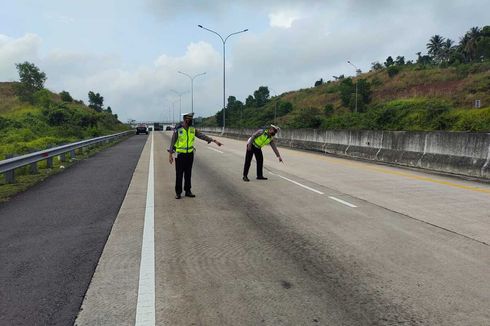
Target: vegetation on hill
{"points": [[32, 118], [439, 91]]}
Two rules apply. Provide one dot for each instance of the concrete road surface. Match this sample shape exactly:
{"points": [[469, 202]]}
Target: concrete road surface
{"points": [[324, 241]]}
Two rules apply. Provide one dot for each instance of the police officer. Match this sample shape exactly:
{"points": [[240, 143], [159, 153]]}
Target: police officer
{"points": [[259, 139], [183, 143]]}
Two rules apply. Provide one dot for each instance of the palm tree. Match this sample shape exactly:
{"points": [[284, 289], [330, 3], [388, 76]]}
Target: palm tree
{"points": [[435, 47], [447, 49], [470, 47]]}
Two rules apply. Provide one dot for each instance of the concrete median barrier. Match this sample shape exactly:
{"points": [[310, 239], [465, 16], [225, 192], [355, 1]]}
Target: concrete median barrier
{"points": [[461, 153]]}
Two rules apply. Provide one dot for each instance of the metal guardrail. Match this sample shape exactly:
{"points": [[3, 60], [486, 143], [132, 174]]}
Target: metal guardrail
{"points": [[9, 165]]}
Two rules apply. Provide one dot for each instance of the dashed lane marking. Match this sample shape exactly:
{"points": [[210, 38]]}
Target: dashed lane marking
{"points": [[342, 201], [214, 149], [298, 184]]}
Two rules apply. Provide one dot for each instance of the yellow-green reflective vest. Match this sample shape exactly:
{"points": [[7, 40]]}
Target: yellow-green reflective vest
{"points": [[262, 140], [185, 140]]}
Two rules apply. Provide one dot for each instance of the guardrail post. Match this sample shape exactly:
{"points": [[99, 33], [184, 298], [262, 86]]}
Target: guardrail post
{"points": [[63, 157], [34, 169], [10, 175], [72, 154], [49, 162]]}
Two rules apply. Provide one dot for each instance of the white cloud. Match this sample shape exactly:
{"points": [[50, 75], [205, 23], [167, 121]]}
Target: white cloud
{"points": [[283, 19], [14, 51], [198, 56]]}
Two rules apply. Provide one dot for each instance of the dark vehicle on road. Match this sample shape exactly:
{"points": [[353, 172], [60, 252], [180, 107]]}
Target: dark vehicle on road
{"points": [[168, 128], [157, 126], [141, 129]]}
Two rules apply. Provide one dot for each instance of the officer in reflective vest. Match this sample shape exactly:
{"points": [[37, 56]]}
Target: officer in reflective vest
{"points": [[183, 143], [259, 139]]}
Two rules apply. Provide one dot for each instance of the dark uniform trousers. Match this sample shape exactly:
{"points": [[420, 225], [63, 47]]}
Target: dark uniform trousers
{"points": [[183, 168], [248, 160]]}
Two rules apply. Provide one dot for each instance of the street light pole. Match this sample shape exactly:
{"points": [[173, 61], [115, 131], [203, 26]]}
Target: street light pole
{"points": [[180, 100], [275, 105], [223, 40], [357, 73], [192, 86]]}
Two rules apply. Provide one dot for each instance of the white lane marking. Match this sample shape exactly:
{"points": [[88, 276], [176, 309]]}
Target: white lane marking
{"points": [[342, 201], [214, 149], [145, 309], [299, 184]]}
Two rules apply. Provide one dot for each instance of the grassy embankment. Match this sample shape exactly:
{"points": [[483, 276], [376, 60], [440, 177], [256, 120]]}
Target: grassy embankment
{"points": [[417, 98], [48, 122]]}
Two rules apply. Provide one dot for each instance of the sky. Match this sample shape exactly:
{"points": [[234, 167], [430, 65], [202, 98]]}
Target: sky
{"points": [[130, 51]]}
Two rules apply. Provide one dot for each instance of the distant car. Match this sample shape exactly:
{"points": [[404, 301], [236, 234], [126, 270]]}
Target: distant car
{"points": [[141, 129], [157, 126], [168, 128]]}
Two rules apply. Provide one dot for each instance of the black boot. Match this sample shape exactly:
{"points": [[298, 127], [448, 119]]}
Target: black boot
{"points": [[189, 194], [245, 178]]}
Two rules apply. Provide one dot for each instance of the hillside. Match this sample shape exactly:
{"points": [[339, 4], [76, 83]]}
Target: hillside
{"points": [[406, 97], [47, 122]]}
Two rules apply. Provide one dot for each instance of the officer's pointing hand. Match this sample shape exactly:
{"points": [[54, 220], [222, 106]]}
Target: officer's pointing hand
{"points": [[217, 142], [280, 159]]}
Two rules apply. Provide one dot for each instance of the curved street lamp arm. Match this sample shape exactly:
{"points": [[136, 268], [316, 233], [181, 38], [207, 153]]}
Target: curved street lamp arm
{"points": [[210, 30], [178, 93], [203, 73], [183, 73], [353, 65], [235, 34]]}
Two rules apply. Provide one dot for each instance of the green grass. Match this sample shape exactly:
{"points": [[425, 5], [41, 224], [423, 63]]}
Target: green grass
{"points": [[417, 98]]}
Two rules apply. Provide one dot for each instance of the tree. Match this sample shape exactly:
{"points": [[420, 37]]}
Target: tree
{"points": [[392, 71], [400, 60], [31, 80], [389, 62], [319, 82], [219, 118], [261, 96], [109, 110], [468, 44], [66, 97], [435, 48], [376, 66], [96, 101], [346, 89], [364, 90], [250, 101], [423, 59], [447, 50], [233, 111], [483, 44]]}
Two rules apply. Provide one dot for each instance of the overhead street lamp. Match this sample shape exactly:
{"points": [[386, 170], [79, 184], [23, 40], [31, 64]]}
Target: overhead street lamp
{"points": [[224, 75], [173, 111], [358, 71], [192, 86], [180, 100]]}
